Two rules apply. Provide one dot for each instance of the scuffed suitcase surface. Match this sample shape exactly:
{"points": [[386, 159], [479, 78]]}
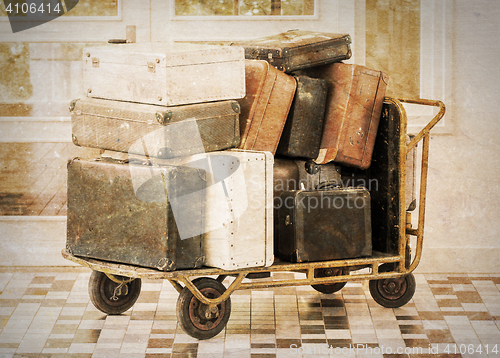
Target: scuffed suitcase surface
{"points": [[265, 108], [303, 128], [385, 190], [164, 74], [290, 174], [324, 225], [353, 109], [156, 131], [294, 50], [128, 213], [239, 212]]}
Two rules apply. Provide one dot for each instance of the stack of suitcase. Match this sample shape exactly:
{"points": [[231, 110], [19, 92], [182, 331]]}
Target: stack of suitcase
{"points": [[227, 156]]}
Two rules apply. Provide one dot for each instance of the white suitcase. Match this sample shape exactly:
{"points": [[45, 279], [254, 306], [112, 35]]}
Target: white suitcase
{"points": [[164, 74], [239, 207]]}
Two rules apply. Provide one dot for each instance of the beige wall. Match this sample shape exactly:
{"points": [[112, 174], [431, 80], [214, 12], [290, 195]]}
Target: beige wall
{"points": [[453, 56]]}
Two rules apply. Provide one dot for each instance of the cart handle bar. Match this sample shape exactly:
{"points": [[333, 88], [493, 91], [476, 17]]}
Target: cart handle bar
{"points": [[424, 136]]}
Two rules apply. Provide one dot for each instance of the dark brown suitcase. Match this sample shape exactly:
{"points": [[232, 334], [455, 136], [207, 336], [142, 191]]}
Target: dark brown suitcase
{"points": [[353, 109], [264, 110], [304, 126], [324, 225], [155, 131], [384, 172], [385, 195], [289, 174], [136, 214], [294, 50]]}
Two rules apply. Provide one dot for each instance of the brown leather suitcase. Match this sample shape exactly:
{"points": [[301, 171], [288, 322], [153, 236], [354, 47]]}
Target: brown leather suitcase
{"points": [[324, 225], [294, 50], [264, 110], [304, 126], [353, 109], [136, 214], [156, 131]]}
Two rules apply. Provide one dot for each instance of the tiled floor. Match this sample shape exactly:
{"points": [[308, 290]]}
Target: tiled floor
{"points": [[47, 313]]}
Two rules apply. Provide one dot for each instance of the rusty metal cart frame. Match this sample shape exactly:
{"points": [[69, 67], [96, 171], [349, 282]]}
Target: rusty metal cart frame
{"points": [[397, 267]]}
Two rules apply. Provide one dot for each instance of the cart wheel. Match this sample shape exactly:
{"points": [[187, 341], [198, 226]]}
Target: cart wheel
{"points": [[392, 292], [111, 297], [195, 318], [330, 287]]}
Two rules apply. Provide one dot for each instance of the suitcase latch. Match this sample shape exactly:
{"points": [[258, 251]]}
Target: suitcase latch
{"points": [[163, 118], [288, 221], [95, 62], [151, 67]]}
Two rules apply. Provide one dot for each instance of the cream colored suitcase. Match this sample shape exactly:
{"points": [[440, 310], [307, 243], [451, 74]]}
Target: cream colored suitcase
{"points": [[239, 207], [164, 74]]}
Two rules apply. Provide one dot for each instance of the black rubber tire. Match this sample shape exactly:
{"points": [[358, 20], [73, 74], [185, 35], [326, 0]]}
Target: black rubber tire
{"points": [[101, 289], [189, 310], [329, 288], [392, 292]]}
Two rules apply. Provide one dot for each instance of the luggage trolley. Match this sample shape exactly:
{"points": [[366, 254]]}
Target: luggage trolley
{"points": [[204, 305]]}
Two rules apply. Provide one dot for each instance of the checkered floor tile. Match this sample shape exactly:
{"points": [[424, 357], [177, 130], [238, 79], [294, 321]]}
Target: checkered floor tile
{"points": [[48, 313]]}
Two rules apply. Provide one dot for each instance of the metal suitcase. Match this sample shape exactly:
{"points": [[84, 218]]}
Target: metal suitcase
{"points": [[264, 110], [156, 131], [294, 50], [136, 214], [304, 126], [353, 109], [324, 225], [164, 74], [239, 207]]}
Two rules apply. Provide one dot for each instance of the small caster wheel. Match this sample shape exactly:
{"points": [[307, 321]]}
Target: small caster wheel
{"points": [[196, 318], [392, 292], [111, 297], [330, 287]]}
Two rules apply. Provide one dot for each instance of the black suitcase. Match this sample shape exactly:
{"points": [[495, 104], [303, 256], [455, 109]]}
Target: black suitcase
{"points": [[136, 214], [383, 176], [324, 225], [301, 136], [292, 174]]}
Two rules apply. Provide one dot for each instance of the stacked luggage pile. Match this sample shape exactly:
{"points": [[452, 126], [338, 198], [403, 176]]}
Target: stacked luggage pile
{"points": [[224, 156]]}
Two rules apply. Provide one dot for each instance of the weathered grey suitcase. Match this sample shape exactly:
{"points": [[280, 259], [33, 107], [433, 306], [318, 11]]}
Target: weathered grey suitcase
{"points": [[156, 131], [164, 74], [136, 214], [303, 128], [353, 109], [239, 207], [324, 225], [264, 110], [294, 50]]}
